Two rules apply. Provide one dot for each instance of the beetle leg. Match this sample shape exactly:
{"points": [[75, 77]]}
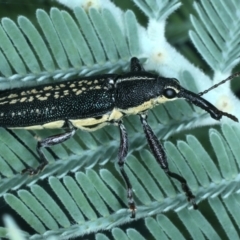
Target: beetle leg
{"points": [[161, 158], [135, 65], [121, 160], [48, 142]]}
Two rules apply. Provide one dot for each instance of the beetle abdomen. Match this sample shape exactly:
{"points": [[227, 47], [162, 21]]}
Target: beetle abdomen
{"points": [[46, 104]]}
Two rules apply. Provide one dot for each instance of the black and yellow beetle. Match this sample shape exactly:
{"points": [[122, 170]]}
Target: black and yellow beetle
{"points": [[93, 102]]}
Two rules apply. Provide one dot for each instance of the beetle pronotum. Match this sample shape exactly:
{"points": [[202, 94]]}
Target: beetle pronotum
{"points": [[93, 102]]}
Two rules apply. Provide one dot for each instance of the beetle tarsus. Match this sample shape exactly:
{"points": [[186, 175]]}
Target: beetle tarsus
{"points": [[35, 171], [193, 202]]}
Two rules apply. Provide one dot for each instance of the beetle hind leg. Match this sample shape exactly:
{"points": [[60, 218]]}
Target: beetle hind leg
{"points": [[48, 142]]}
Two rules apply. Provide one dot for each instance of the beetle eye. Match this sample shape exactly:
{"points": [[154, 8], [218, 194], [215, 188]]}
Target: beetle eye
{"points": [[169, 93]]}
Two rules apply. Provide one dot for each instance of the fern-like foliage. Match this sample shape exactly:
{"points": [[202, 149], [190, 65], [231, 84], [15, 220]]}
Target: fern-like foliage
{"points": [[81, 191]]}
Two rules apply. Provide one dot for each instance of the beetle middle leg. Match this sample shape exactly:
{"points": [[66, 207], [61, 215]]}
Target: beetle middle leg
{"points": [[48, 142], [160, 156], [121, 160]]}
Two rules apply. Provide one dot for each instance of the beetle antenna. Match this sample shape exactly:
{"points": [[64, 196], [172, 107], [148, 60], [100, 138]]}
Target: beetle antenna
{"points": [[237, 74]]}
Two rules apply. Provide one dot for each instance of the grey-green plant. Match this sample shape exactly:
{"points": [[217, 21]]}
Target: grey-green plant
{"points": [[81, 191]]}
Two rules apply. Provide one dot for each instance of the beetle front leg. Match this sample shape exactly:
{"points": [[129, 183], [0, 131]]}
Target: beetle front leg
{"points": [[161, 158], [123, 150], [48, 142]]}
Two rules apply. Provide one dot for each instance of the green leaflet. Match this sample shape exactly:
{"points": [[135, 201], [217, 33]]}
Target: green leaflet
{"points": [[52, 55], [212, 33], [158, 10]]}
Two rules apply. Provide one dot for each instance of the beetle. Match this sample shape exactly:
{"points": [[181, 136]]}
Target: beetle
{"points": [[93, 102]]}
